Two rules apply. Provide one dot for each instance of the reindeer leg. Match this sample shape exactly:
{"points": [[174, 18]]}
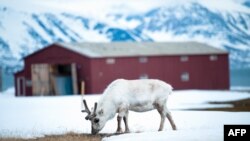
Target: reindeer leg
{"points": [[162, 122], [125, 119], [119, 129], [161, 112], [169, 116]]}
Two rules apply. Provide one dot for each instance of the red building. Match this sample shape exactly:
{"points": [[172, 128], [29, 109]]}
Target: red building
{"points": [[65, 68]]}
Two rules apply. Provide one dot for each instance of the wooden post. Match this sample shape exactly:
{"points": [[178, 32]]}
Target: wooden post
{"points": [[82, 93], [83, 87]]}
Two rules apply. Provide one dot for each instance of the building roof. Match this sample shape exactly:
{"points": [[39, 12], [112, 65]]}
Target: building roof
{"points": [[130, 49]]}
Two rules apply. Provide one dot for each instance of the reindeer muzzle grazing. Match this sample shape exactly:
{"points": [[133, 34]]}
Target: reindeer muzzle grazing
{"points": [[93, 131]]}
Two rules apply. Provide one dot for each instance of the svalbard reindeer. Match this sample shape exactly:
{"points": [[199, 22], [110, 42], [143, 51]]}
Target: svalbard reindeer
{"points": [[135, 95]]}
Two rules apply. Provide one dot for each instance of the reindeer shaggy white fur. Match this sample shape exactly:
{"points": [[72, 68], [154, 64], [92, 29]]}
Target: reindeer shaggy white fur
{"points": [[135, 95]]}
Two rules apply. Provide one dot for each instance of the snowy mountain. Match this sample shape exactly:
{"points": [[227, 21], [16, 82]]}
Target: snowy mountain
{"points": [[29, 25]]}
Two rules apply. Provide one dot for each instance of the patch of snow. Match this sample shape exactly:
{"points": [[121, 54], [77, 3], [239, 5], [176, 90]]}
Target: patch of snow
{"points": [[240, 88], [191, 125], [30, 117], [195, 98], [224, 5], [10, 92], [170, 135]]}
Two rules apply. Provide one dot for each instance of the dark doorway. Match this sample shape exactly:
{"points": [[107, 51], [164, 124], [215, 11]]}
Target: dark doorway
{"points": [[61, 79]]}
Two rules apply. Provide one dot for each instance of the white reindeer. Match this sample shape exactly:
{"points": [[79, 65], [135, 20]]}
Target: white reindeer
{"points": [[135, 95]]}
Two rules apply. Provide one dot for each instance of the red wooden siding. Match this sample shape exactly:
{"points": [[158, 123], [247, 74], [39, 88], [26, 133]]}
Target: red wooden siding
{"points": [[203, 73]]}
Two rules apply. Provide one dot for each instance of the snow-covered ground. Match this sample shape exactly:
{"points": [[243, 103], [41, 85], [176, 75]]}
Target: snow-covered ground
{"points": [[30, 117]]}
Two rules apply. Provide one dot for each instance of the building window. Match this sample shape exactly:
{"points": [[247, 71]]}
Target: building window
{"points": [[143, 76], [213, 57], [185, 77], [143, 59], [184, 58], [110, 61], [100, 74]]}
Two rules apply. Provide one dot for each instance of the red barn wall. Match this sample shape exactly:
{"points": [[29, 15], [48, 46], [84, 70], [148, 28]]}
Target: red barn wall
{"points": [[97, 74], [203, 73]]}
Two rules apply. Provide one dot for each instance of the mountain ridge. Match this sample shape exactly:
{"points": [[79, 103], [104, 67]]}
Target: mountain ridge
{"points": [[25, 32]]}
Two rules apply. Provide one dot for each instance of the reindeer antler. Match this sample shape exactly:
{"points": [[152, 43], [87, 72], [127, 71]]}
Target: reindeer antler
{"points": [[94, 113], [89, 116], [86, 107]]}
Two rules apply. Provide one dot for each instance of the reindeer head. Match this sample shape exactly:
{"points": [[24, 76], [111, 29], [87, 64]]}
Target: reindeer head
{"points": [[96, 120]]}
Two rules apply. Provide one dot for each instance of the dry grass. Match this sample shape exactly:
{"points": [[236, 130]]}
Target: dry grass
{"points": [[11, 139], [64, 137], [70, 137]]}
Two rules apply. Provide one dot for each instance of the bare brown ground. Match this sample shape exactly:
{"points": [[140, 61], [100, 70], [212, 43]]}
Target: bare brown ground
{"points": [[64, 137], [238, 106]]}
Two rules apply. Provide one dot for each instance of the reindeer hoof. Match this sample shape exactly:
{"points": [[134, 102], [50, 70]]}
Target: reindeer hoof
{"points": [[119, 131], [127, 131], [159, 130], [174, 128]]}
